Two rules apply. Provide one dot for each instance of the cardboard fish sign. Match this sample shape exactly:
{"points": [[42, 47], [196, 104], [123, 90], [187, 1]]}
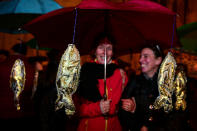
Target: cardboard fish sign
{"points": [[17, 80], [67, 79]]}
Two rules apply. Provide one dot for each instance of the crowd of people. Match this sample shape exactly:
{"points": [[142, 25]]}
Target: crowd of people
{"points": [[115, 103]]}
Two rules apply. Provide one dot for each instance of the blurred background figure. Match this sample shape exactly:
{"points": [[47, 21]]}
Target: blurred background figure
{"points": [[45, 96], [4, 54], [8, 113]]}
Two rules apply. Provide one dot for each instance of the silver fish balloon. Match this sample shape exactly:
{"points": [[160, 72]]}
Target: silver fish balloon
{"points": [[166, 83], [67, 79], [17, 80]]}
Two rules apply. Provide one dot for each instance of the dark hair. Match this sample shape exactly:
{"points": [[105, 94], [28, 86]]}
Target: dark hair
{"points": [[154, 45], [4, 52], [20, 48], [54, 55], [101, 37]]}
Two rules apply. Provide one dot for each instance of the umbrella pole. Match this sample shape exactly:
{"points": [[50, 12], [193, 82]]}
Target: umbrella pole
{"points": [[105, 85]]}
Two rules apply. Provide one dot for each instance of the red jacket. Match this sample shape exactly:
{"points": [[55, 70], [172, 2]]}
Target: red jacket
{"points": [[91, 117]]}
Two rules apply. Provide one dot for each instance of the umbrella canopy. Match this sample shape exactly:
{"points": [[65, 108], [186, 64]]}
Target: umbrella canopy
{"points": [[68, 3], [15, 13], [188, 37], [129, 23]]}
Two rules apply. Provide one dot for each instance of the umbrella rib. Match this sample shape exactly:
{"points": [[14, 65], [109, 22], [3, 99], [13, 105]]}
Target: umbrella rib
{"points": [[42, 7], [16, 6]]}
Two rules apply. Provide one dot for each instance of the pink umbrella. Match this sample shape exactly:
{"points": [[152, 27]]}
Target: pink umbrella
{"points": [[129, 23]]}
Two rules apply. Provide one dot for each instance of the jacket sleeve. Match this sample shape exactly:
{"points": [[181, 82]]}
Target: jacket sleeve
{"points": [[129, 90], [89, 109]]}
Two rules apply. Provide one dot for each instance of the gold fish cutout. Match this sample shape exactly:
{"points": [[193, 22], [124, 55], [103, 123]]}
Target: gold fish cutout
{"points": [[67, 79], [17, 80], [166, 83], [180, 90]]}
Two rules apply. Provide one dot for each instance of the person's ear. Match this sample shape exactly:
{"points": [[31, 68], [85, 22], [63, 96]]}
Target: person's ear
{"points": [[158, 61]]}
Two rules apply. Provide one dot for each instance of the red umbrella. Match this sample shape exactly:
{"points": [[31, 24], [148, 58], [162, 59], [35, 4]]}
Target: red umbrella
{"points": [[129, 23]]}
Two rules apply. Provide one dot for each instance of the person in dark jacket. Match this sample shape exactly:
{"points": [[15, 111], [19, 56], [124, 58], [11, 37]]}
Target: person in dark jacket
{"points": [[45, 96], [137, 111]]}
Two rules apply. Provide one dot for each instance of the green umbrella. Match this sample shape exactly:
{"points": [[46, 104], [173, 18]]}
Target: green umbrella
{"points": [[188, 37], [34, 44]]}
